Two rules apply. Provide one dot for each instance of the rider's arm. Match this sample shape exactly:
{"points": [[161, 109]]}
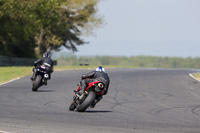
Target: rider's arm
{"points": [[37, 61], [88, 75]]}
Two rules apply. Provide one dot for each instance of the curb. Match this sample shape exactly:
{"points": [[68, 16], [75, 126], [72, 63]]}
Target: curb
{"points": [[191, 75]]}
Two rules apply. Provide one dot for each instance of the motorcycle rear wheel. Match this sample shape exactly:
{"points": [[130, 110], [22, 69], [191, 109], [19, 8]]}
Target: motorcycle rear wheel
{"points": [[87, 102], [36, 83]]}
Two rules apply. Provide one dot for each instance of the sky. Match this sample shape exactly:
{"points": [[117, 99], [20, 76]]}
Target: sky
{"points": [[146, 27]]}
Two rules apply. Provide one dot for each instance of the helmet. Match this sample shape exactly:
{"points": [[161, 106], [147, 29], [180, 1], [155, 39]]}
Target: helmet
{"points": [[46, 54], [100, 69]]}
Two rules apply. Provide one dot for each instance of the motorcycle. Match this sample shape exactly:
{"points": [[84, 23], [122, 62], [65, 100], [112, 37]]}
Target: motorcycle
{"points": [[81, 101], [42, 75]]}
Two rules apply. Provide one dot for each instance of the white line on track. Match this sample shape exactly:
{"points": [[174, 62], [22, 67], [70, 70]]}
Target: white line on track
{"points": [[10, 82], [16, 79], [4, 132]]}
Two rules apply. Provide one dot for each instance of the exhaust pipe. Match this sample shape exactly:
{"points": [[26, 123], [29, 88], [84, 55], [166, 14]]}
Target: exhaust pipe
{"points": [[46, 75], [100, 85]]}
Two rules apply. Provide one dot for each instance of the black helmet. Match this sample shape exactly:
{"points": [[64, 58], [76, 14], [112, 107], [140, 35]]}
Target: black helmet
{"points": [[46, 54]]}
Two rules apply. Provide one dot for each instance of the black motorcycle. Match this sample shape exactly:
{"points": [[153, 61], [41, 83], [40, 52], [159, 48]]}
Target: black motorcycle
{"points": [[42, 75]]}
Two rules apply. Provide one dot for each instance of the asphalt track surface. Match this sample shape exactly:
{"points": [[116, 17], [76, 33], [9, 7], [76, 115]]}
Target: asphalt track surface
{"points": [[138, 101]]}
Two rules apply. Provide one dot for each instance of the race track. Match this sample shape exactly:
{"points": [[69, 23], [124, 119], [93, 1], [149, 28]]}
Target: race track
{"points": [[138, 101]]}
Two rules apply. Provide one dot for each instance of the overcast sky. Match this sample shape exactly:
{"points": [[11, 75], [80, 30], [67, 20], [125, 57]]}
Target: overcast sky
{"points": [[146, 27]]}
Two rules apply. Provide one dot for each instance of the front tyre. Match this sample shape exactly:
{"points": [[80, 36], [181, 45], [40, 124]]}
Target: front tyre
{"points": [[87, 102], [72, 106], [36, 83]]}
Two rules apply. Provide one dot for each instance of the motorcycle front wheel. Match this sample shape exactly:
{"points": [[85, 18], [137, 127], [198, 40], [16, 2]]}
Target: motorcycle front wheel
{"points": [[72, 107], [36, 83], [87, 102]]}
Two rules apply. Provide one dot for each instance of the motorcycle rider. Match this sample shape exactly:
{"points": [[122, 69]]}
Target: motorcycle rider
{"points": [[45, 60], [96, 75]]}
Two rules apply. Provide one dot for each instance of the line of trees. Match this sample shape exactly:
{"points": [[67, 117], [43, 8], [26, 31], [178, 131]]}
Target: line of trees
{"points": [[29, 27], [136, 61]]}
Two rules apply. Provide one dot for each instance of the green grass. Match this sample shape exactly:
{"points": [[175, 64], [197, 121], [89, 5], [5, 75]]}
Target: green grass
{"points": [[196, 75], [9, 73]]}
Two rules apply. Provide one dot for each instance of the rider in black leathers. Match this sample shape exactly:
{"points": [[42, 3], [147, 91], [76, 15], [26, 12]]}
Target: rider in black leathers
{"points": [[45, 60], [97, 75]]}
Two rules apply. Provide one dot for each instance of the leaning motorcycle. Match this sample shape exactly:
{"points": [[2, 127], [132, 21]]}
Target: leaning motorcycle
{"points": [[81, 101], [42, 75]]}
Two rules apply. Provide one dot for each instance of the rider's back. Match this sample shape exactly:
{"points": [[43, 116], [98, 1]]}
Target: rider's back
{"points": [[47, 60]]}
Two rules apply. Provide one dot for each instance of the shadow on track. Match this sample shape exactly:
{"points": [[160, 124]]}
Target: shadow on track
{"points": [[45, 90], [97, 111]]}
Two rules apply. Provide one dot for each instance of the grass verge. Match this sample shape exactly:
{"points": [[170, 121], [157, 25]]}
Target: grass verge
{"points": [[9, 73], [196, 75]]}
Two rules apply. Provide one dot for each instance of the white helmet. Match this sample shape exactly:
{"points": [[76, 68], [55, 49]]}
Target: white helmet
{"points": [[100, 69]]}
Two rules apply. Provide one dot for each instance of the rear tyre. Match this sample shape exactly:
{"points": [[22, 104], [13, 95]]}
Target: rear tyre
{"points": [[87, 102], [36, 83]]}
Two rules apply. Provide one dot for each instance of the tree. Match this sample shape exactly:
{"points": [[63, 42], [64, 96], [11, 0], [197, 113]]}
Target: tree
{"points": [[17, 32], [29, 26]]}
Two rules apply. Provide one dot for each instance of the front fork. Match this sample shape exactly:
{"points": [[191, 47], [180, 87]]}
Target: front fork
{"points": [[78, 97]]}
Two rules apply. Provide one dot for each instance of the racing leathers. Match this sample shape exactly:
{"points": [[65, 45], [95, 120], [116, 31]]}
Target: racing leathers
{"points": [[92, 77], [47, 61]]}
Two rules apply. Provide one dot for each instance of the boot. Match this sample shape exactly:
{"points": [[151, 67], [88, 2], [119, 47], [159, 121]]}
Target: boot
{"points": [[45, 82], [34, 74], [33, 77]]}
